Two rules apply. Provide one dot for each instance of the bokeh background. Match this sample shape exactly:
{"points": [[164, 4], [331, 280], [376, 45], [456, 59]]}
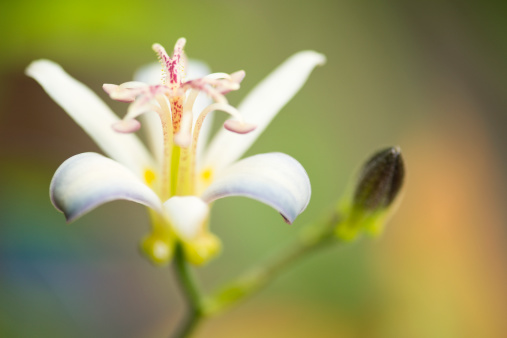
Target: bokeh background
{"points": [[430, 76]]}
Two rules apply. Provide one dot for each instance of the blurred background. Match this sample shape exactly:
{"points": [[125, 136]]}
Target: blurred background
{"points": [[430, 77]]}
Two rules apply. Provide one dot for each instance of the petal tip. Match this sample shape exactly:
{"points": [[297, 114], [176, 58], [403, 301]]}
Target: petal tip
{"points": [[69, 218], [39, 66], [286, 220], [316, 58]]}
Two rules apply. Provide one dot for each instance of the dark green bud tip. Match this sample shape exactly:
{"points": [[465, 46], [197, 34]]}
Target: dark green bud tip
{"points": [[380, 180]]}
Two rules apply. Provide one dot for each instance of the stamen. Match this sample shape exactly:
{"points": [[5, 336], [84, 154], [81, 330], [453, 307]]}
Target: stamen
{"points": [[133, 84], [216, 85], [225, 83], [189, 102], [224, 87], [126, 126], [184, 137], [239, 125], [125, 92], [144, 101], [238, 76], [204, 85], [140, 106], [217, 76], [235, 80], [164, 111]]}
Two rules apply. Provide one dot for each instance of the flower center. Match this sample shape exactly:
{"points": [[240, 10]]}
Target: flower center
{"points": [[173, 101]]}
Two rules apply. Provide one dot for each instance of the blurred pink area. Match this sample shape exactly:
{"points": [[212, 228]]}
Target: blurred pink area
{"points": [[442, 262]]}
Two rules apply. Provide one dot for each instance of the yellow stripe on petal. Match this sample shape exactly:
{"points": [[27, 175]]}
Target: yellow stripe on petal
{"points": [[149, 177], [207, 176]]}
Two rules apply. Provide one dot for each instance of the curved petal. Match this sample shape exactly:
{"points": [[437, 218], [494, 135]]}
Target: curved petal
{"points": [[187, 215], [88, 180], [91, 113], [260, 107], [152, 74], [275, 179]]}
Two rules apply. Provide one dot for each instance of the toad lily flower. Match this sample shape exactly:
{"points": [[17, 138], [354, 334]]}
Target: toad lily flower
{"points": [[177, 178]]}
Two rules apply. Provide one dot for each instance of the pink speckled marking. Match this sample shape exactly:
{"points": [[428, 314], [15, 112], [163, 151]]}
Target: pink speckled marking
{"points": [[177, 111], [174, 67], [164, 59]]}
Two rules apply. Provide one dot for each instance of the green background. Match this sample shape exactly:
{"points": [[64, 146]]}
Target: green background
{"points": [[430, 76]]}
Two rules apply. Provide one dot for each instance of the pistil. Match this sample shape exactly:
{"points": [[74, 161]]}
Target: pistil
{"points": [[177, 111]]}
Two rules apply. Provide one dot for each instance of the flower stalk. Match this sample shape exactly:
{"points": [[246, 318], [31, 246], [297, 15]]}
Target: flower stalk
{"points": [[191, 292], [311, 239], [380, 181]]}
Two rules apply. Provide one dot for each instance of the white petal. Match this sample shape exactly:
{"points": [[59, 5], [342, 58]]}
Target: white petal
{"points": [[88, 180], [152, 128], [150, 74], [196, 69], [275, 179], [260, 107], [187, 215], [91, 113]]}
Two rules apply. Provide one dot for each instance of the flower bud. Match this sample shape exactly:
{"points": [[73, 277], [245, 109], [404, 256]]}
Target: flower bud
{"points": [[380, 181]]}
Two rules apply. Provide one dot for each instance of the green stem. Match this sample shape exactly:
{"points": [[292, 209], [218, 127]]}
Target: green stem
{"points": [[191, 293], [311, 239]]}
